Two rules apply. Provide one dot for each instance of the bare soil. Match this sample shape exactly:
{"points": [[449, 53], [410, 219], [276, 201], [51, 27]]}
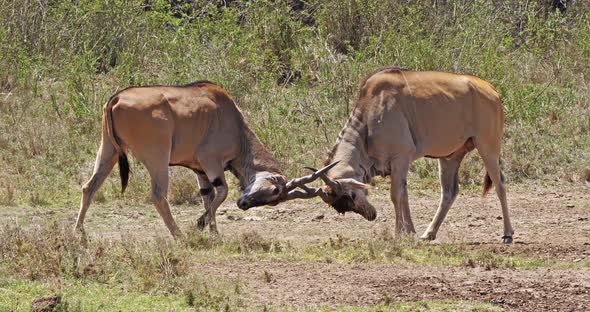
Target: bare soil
{"points": [[551, 222], [322, 284]]}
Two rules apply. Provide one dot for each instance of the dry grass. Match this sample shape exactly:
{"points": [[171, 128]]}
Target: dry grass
{"points": [[60, 61], [48, 259]]}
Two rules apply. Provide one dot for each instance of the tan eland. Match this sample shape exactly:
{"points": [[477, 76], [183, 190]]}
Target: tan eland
{"points": [[401, 116], [197, 126]]}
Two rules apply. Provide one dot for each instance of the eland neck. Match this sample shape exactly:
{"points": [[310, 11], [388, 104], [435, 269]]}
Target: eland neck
{"points": [[254, 160], [350, 150]]}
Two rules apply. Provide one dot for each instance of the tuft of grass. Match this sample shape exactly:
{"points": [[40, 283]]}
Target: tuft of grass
{"points": [[253, 242], [7, 196], [267, 276]]}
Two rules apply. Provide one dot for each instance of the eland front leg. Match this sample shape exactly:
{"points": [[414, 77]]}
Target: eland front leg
{"points": [[214, 173], [399, 196], [207, 194]]}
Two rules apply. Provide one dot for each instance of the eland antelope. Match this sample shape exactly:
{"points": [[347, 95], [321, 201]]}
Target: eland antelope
{"points": [[197, 126], [401, 116]]}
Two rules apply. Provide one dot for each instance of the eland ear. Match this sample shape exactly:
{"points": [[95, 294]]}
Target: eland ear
{"points": [[355, 183]]}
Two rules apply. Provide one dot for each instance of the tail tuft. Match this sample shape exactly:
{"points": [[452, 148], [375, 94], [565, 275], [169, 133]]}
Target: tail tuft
{"points": [[487, 184], [123, 171]]}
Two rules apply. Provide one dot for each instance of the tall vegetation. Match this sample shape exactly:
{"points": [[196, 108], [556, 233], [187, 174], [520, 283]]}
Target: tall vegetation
{"points": [[294, 69]]}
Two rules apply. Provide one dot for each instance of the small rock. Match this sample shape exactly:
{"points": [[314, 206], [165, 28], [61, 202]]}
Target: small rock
{"points": [[577, 260], [497, 301], [570, 205], [318, 218], [498, 218]]}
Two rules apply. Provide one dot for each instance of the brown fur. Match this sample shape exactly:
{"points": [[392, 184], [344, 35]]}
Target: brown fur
{"points": [[404, 115], [107, 124], [385, 69], [197, 126], [351, 124]]}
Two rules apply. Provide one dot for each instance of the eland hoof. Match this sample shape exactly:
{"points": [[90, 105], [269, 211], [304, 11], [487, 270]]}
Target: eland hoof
{"points": [[428, 236], [507, 239], [80, 234], [213, 229], [201, 223], [79, 230]]}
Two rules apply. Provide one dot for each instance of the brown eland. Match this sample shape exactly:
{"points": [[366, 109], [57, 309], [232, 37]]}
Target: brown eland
{"points": [[401, 116], [197, 126]]}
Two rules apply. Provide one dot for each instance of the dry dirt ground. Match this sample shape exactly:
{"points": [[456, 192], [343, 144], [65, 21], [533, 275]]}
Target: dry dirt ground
{"points": [[551, 222]]}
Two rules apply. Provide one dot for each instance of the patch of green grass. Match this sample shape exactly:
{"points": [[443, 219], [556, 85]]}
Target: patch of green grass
{"points": [[17, 295], [383, 249], [409, 251]]}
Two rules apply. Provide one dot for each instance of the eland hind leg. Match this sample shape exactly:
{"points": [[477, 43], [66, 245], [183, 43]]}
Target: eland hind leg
{"points": [[106, 159], [491, 159], [449, 181], [158, 170]]}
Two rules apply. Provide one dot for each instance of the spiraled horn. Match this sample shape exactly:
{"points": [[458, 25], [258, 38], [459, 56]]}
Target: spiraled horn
{"points": [[312, 177], [322, 174]]}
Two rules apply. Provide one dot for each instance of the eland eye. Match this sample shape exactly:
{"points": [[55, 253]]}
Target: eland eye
{"points": [[353, 195], [276, 191]]}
